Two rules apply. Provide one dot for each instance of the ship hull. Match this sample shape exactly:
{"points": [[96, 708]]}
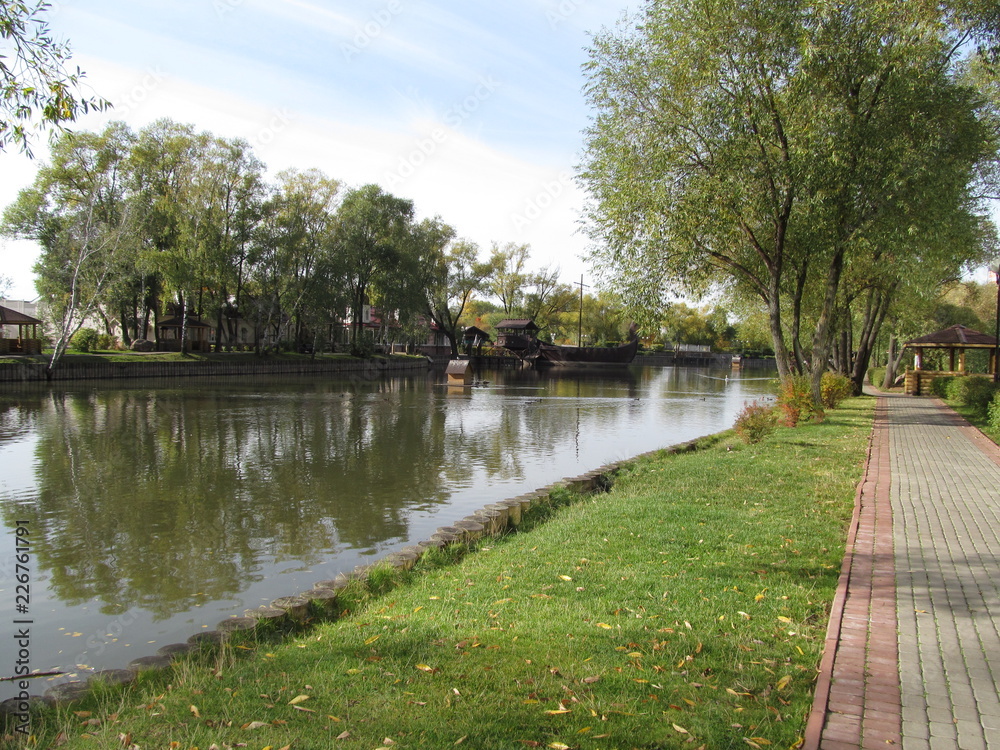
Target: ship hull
{"points": [[549, 355]]}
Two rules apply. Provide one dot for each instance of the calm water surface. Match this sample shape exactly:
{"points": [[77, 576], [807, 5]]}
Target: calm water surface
{"points": [[158, 509]]}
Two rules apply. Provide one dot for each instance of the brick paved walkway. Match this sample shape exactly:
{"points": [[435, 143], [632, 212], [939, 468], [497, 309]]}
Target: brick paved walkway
{"points": [[913, 650]]}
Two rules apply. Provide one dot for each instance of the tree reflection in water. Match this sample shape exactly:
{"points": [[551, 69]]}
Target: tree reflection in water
{"points": [[169, 496]]}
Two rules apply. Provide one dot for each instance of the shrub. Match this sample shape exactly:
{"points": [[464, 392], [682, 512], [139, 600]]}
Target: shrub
{"points": [[796, 401], [755, 422], [993, 411], [939, 386], [834, 388], [85, 339], [973, 391], [106, 342]]}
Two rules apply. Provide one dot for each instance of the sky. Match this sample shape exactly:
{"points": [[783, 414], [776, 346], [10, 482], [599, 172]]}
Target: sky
{"points": [[474, 110]]}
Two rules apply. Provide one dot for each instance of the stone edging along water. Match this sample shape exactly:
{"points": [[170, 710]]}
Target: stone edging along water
{"points": [[319, 602], [30, 371]]}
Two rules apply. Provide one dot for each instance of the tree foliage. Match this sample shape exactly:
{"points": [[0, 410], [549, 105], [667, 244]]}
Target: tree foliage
{"points": [[815, 156], [36, 91]]}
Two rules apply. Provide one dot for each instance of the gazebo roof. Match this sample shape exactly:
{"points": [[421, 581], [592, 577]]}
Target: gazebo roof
{"points": [[517, 324], [955, 337], [472, 331], [14, 318]]}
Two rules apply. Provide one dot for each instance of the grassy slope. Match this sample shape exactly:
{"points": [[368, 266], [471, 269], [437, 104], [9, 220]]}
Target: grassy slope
{"points": [[686, 608]]}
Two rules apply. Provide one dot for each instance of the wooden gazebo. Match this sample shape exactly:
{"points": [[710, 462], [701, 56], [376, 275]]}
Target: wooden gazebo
{"points": [[171, 330], [517, 334], [25, 343], [475, 338], [956, 340]]}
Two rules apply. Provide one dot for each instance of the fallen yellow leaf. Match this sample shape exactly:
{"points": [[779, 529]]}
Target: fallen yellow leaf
{"points": [[679, 729], [194, 711], [298, 699]]}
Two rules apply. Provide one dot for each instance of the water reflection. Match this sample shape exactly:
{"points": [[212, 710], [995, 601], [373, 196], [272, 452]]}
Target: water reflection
{"points": [[181, 503]]}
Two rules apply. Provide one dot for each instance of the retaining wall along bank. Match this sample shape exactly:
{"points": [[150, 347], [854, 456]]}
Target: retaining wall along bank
{"points": [[36, 371]]}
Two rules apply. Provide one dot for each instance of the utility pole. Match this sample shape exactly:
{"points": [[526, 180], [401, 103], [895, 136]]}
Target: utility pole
{"points": [[579, 326]]}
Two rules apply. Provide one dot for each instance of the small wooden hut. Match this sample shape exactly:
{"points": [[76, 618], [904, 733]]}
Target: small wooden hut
{"points": [[459, 372], [28, 340], [956, 340]]}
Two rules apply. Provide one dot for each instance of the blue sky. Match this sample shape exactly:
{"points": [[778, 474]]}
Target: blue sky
{"points": [[474, 110]]}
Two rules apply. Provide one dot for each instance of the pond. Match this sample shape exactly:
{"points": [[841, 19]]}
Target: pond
{"points": [[156, 509]]}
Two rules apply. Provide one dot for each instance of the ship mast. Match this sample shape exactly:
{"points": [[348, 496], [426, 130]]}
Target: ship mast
{"points": [[579, 326]]}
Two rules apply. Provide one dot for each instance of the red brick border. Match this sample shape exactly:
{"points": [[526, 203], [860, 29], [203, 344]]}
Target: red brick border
{"points": [[857, 699]]}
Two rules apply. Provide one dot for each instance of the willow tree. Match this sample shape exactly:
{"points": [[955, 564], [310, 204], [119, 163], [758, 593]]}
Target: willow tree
{"points": [[765, 147]]}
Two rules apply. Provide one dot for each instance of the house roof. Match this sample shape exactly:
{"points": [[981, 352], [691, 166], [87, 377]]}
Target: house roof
{"points": [[955, 337], [15, 318], [518, 324]]}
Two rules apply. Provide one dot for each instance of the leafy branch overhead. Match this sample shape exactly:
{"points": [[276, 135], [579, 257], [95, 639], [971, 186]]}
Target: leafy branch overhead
{"points": [[36, 91]]}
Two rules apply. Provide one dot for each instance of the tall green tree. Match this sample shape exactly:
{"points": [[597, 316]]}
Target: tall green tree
{"points": [[78, 213], [766, 147], [546, 298], [166, 183], [509, 275], [453, 274], [299, 272], [371, 236]]}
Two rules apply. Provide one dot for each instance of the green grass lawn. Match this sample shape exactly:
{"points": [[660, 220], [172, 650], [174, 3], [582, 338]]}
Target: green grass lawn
{"points": [[686, 608]]}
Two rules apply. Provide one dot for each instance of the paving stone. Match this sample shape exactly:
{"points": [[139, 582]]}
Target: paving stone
{"points": [[936, 543]]}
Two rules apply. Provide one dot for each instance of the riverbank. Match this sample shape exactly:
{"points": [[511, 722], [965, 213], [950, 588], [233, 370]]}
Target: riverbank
{"points": [[686, 607], [121, 365]]}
